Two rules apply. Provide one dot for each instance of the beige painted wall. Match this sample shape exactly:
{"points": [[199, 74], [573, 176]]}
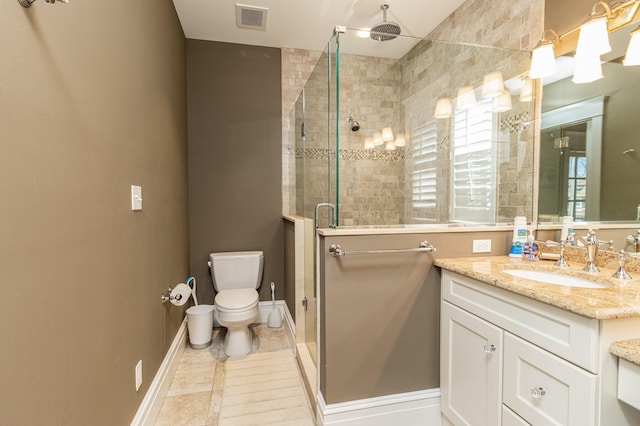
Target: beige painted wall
{"points": [[235, 160], [92, 100], [380, 314]]}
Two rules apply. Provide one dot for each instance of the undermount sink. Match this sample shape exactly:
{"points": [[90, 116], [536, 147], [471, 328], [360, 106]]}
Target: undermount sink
{"points": [[553, 278]]}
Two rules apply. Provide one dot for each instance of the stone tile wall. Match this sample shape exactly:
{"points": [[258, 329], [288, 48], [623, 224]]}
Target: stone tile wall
{"points": [[402, 94]]}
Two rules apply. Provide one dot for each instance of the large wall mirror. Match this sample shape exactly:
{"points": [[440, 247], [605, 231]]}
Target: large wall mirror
{"points": [[590, 140]]}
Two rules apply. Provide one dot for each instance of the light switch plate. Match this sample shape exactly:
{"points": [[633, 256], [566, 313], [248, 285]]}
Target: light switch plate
{"points": [[136, 197], [481, 246], [138, 375]]}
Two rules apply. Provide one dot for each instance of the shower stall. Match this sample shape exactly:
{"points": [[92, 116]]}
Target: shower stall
{"points": [[410, 132]]}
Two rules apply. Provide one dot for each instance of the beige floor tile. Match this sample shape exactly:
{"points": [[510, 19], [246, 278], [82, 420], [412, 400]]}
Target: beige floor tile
{"points": [[269, 417], [262, 406], [255, 397], [187, 410], [261, 388], [192, 380]]}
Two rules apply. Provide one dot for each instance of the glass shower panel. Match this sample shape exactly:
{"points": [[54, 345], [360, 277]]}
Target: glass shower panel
{"points": [[315, 168], [397, 167]]}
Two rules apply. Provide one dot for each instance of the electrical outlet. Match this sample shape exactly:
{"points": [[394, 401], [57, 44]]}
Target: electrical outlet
{"points": [[481, 246], [138, 375]]}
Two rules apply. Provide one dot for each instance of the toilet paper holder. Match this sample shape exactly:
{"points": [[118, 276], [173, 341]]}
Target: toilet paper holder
{"points": [[164, 298]]}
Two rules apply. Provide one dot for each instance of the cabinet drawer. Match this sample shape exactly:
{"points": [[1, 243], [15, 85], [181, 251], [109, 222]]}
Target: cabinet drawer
{"points": [[509, 418], [568, 335], [544, 389]]}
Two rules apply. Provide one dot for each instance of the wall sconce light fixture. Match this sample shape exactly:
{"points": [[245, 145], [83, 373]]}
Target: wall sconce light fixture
{"points": [[443, 108], [493, 85], [543, 59], [633, 50], [466, 98], [594, 35]]}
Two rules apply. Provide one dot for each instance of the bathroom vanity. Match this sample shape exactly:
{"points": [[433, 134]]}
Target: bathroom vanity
{"points": [[515, 351]]}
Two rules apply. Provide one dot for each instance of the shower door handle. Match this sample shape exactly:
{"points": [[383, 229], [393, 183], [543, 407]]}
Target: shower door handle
{"points": [[332, 211]]}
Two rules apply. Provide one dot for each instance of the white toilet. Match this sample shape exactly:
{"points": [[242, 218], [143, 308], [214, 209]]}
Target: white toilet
{"points": [[236, 276]]}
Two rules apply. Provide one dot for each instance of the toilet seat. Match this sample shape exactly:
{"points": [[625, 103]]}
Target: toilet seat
{"points": [[236, 300]]}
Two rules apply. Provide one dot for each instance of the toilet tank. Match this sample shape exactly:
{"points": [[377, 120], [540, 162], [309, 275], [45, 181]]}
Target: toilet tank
{"points": [[240, 269]]}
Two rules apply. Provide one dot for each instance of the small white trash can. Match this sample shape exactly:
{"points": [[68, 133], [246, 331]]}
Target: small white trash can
{"points": [[200, 324]]}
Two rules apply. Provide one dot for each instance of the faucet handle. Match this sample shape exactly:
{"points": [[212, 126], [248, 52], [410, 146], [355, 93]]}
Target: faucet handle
{"points": [[621, 273], [561, 262], [610, 242]]}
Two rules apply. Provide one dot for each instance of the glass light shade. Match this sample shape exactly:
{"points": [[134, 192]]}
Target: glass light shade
{"points": [[493, 85], [543, 61], [594, 37], [363, 33], [400, 141], [526, 93], [502, 103], [588, 68], [466, 98], [377, 139], [633, 50], [387, 134], [443, 108], [390, 146], [368, 143]]}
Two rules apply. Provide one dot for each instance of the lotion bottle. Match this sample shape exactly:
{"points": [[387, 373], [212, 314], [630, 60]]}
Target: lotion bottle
{"points": [[519, 236]]}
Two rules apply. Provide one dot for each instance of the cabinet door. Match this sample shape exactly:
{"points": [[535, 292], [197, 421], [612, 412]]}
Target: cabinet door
{"points": [[470, 373], [544, 389]]}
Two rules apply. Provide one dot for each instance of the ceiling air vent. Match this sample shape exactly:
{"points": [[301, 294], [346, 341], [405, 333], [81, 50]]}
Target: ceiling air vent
{"points": [[251, 17]]}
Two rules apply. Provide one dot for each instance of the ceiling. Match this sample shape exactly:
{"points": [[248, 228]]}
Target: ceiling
{"points": [[306, 24]]}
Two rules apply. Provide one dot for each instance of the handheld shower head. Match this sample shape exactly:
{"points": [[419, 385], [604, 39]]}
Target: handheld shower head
{"points": [[355, 126]]}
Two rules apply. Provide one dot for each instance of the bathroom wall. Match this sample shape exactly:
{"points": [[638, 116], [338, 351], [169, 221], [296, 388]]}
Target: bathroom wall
{"points": [[235, 158], [93, 100], [379, 331]]}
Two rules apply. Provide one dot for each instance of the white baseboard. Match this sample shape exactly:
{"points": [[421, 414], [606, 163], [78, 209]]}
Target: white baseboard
{"points": [[153, 399], [411, 408]]}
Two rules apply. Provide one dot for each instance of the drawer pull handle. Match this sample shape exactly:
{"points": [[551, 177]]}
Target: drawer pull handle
{"points": [[489, 349], [538, 393]]}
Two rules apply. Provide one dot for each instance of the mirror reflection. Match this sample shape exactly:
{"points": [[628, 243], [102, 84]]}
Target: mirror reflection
{"points": [[589, 145]]}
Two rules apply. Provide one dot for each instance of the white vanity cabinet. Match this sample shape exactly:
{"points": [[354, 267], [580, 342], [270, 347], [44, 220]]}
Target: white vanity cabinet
{"points": [[508, 360]]}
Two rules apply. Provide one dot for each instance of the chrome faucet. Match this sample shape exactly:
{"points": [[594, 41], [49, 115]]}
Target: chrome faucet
{"points": [[591, 243], [634, 241]]}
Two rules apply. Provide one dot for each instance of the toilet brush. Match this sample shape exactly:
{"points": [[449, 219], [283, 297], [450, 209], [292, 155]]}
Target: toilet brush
{"points": [[275, 318]]}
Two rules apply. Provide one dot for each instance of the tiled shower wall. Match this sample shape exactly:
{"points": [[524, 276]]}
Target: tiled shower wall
{"points": [[380, 92]]}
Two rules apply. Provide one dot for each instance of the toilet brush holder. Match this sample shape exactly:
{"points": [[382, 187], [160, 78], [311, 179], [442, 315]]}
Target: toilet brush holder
{"points": [[275, 317]]}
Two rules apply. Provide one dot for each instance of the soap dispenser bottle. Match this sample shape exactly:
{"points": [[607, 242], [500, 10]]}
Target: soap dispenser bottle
{"points": [[531, 251]]}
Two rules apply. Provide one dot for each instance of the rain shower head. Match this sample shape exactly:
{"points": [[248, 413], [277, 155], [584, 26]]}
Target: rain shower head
{"points": [[385, 30], [355, 126]]}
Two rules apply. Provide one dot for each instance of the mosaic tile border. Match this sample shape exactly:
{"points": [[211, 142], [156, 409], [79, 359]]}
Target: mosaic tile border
{"points": [[515, 123], [344, 154]]}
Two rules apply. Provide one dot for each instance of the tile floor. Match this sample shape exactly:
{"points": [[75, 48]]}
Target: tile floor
{"points": [[265, 387]]}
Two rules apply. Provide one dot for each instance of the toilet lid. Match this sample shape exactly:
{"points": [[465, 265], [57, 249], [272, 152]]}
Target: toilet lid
{"points": [[239, 298]]}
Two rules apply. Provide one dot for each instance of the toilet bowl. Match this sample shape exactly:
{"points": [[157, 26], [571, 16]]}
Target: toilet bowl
{"points": [[236, 276], [235, 310]]}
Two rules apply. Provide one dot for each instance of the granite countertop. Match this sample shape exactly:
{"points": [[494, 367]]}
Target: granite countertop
{"points": [[619, 299], [627, 349]]}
